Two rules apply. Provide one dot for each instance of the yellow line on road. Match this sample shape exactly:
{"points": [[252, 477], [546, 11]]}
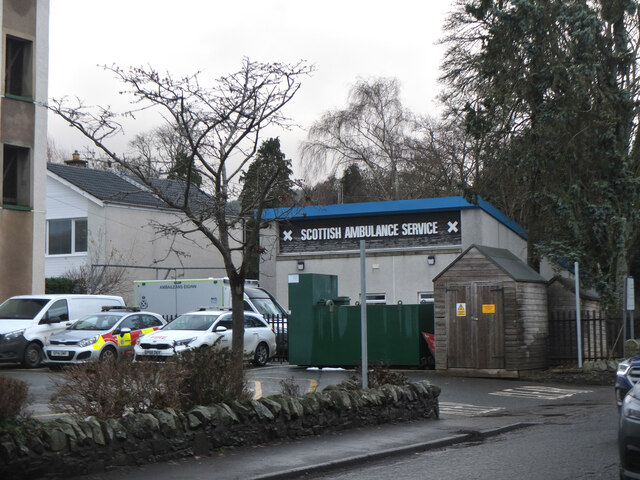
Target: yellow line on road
{"points": [[257, 389], [312, 386]]}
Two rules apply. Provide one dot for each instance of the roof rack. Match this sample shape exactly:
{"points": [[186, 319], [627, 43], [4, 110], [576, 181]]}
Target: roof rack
{"points": [[107, 308]]}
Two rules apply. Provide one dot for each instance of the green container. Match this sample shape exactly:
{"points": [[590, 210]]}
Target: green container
{"points": [[305, 291], [328, 334]]}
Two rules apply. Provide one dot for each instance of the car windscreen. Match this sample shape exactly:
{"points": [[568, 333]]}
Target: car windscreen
{"points": [[97, 322], [191, 322], [263, 302], [22, 308]]}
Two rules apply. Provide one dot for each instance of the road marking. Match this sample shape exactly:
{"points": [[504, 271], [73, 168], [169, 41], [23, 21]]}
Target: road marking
{"points": [[539, 392], [47, 415], [466, 410], [257, 389]]}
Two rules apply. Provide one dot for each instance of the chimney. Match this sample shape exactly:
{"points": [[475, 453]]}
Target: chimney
{"points": [[75, 161]]}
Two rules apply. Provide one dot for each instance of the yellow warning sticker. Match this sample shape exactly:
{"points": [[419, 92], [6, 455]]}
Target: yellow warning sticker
{"points": [[489, 308], [461, 309]]}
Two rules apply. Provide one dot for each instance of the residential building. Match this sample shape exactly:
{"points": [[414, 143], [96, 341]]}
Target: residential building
{"points": [[23, 135], [97, 218]]}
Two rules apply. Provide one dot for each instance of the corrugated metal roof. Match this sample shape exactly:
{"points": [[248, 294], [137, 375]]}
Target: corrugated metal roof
{"points": [[391, 207]]}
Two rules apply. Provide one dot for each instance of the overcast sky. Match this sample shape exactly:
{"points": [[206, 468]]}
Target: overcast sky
{"points": [[344, 39]]}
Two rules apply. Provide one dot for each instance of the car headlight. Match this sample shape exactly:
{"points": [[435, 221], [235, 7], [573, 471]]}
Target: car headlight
{"points": [[9, 337], [631, 406], [186, 341], [623, 368], [87, 341]]}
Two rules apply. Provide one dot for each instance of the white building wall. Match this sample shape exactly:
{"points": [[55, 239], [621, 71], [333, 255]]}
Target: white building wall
{"points": [[124, 235], [400, 275], [63, 202], [40, 144]]}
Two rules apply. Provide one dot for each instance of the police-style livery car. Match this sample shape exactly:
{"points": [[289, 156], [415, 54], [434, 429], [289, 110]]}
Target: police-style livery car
{"points": [[101, 336]]}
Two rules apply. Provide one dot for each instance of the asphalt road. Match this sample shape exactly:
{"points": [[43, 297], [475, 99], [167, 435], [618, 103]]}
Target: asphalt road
{"points": [[574, 436], [571, 442]]}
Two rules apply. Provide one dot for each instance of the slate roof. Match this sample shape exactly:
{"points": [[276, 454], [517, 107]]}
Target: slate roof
{"points": [[106, 186], [505, 261], [175, 189], [391, 207]]}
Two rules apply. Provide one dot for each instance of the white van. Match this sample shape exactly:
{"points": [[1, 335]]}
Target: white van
{"points": [[171, 298], [27, 322]]}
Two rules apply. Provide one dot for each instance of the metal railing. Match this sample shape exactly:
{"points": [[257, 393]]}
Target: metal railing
{"points": [[600, 337], [279, 324]]}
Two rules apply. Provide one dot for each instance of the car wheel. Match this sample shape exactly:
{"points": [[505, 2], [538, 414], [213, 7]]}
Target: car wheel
{"points": [[32, 356], [108, 354], [261, 355]]}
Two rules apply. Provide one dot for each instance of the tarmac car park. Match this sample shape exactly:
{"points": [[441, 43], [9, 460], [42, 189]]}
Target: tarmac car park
{"points": [[208, 328], [102, 336]]}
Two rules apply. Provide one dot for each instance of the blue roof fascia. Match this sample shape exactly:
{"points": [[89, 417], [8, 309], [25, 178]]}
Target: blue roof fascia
{"points": [[390, 207]]}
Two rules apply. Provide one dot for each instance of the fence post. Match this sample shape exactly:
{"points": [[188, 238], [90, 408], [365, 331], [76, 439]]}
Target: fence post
{"points": [[578, 326]]}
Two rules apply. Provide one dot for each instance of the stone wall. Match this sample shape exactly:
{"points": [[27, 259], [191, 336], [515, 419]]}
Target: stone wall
{"points": [[67, 447]]}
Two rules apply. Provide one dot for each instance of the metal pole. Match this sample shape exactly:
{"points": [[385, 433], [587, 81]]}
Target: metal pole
{"points": [[578, 326], [363, 314]]}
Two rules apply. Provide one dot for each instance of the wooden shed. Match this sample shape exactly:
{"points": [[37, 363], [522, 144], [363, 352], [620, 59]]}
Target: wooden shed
{"points": [[491, 316]]}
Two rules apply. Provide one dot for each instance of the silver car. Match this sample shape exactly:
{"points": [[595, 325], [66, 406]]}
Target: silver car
{"points": [[102, 336]]}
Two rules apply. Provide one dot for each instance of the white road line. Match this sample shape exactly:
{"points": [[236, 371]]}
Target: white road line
{"points": [[539, 392], [465, 409]]}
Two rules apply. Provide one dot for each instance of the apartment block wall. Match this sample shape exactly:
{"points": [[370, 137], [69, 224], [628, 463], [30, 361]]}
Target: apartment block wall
{"points": [[23, 128]]}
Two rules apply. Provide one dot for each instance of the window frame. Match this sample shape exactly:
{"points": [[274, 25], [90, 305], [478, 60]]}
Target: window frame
{"points": [[23, 51], [426, 297], [376, 298], [73, 241], [20, 161]]}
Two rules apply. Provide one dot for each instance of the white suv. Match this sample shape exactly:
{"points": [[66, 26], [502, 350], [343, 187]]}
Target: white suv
{"points": [[208, 328]]}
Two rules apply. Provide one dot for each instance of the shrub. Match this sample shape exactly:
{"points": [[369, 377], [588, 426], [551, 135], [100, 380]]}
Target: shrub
{"points": [[377, 375], [206, 378], [59, 285], [109, 389], [14, 396], [289, 387]]}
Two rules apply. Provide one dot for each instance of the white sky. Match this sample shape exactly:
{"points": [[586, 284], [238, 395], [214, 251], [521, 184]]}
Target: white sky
{"points": [[344, 39]]}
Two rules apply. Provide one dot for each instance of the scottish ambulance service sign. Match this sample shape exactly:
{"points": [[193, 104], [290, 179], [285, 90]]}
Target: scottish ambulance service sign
{"points": [[379, 232]]}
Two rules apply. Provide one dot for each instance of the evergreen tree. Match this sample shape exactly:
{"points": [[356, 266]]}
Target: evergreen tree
{"points": [[546, 89]]}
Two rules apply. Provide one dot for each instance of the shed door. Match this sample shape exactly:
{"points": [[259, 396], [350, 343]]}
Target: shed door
{"points": [[475, 326]]}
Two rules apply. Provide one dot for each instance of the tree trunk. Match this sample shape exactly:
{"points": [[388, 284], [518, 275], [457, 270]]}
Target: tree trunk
{"points": [[237, 336]]}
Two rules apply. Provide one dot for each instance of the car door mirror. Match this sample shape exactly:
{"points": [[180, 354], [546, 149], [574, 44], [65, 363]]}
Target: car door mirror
{"points": [[220, 329], [124, 331]]}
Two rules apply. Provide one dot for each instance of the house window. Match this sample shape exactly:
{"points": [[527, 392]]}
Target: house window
{"points": [[18, 62], [66, 236], [425, 297], [377, 298], [16, 177]]}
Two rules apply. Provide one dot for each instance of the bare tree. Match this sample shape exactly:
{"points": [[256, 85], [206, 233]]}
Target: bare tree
{"points": [[370, 132], [109, 279], [220, 126]]}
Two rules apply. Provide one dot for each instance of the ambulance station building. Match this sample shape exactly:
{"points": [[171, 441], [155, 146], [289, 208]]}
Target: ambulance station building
{"points": [[408, 242]]}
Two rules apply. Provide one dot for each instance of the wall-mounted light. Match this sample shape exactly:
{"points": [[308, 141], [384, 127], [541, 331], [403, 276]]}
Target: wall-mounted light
{"points": [[300, 265], [431, 260]]}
